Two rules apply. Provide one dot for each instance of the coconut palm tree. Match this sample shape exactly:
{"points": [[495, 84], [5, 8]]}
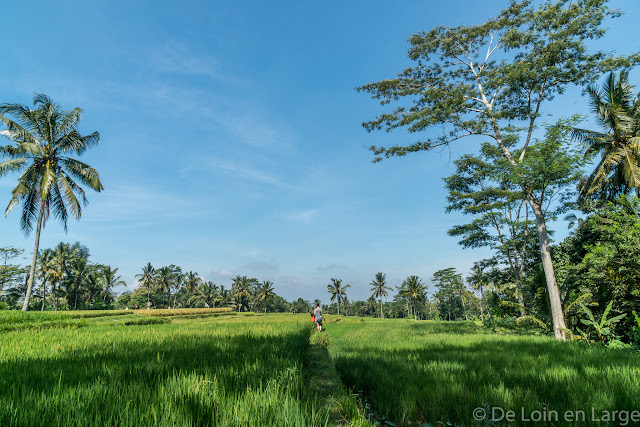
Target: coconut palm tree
{"points": [[64, 254], [45, 271], [146, 278], [617, 112], [163, 279], [192, 281], [265, 293], [242, 290], [209, 292], [379, 289], [79, 270], [50, 182], [225, 297], [110, 281], [415, 292], [337, 291]]}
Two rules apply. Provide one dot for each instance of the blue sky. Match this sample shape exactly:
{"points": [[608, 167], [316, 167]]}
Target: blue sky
{"points": [[231, 137]]}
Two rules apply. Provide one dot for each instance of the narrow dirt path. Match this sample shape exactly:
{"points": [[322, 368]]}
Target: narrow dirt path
{"points": [[324, 380]]}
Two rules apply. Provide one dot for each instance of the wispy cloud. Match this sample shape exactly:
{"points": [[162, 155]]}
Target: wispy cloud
{"points": [[176, 57], [261, 266], [217, 275], [332, 267], [302, 216], [246, 172], [135, 203]]}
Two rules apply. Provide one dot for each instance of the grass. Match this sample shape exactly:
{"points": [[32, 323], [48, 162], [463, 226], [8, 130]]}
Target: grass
{"points": [[426, 372], [233, 369], [224, 371]]}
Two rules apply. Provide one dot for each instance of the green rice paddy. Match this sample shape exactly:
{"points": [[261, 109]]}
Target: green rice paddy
{"points": [[255, 370]]}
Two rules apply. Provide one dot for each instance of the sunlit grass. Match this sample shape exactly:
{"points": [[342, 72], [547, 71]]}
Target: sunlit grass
{"points": [[438, 371], [217, 372]]}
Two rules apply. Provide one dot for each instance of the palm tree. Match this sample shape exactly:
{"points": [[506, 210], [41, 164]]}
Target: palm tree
{"points": [[146, 278], [209, 292], [380, 288], [79, 269], [192, 282], [110, 281], [225, 297], [241, 290], [45, 261], [370, 305], [337, 292], [178, 281], [64, 254], [414, 291], [265, 293], [163, 277], [617, 112], [44, 137]]}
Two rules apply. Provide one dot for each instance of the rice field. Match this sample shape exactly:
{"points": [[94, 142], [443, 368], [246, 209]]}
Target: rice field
{"points": [[229, 369], [430, 372], [226, 371]]}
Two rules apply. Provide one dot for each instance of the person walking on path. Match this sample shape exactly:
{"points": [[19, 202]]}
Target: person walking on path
{"points": [[318, 314]]}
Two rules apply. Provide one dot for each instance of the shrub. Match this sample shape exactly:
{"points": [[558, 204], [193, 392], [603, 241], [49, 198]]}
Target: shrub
{"points": [[501, 322]]}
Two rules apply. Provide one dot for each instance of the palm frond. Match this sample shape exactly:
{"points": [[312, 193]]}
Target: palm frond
{"points": [[11, 165], [69, 190], [83, 172], [57, 202]]}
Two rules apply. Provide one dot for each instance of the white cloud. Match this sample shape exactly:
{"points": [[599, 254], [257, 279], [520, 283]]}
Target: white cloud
{"points": [[217, 275], [302, 216], [332, 267]]}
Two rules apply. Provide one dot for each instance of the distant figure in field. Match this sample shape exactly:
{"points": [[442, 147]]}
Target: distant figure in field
{"points": [[318, 315]]}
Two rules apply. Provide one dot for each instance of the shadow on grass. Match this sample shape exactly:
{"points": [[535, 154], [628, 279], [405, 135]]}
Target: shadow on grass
{"points": [[444, 379]]}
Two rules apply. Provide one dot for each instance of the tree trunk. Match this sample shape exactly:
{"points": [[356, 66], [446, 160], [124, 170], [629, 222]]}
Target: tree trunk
{"points": [[519, 290], [381, 312], [44, 293], [53, 296], [559, 326], [481, 299], [25, 305], [464, 309]]}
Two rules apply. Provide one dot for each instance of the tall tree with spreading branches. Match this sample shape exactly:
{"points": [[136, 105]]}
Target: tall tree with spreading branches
{"points": [[495, 79]]}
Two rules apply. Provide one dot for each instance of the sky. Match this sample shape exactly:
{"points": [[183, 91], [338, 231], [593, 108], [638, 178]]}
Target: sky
{"points": [[231, 138]]}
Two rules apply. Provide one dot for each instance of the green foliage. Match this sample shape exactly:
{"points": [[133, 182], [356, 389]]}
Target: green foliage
{"points": [[617, 112], [507, 322], [603, 330], [10, 273], [480, 79], [601, 258]]}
